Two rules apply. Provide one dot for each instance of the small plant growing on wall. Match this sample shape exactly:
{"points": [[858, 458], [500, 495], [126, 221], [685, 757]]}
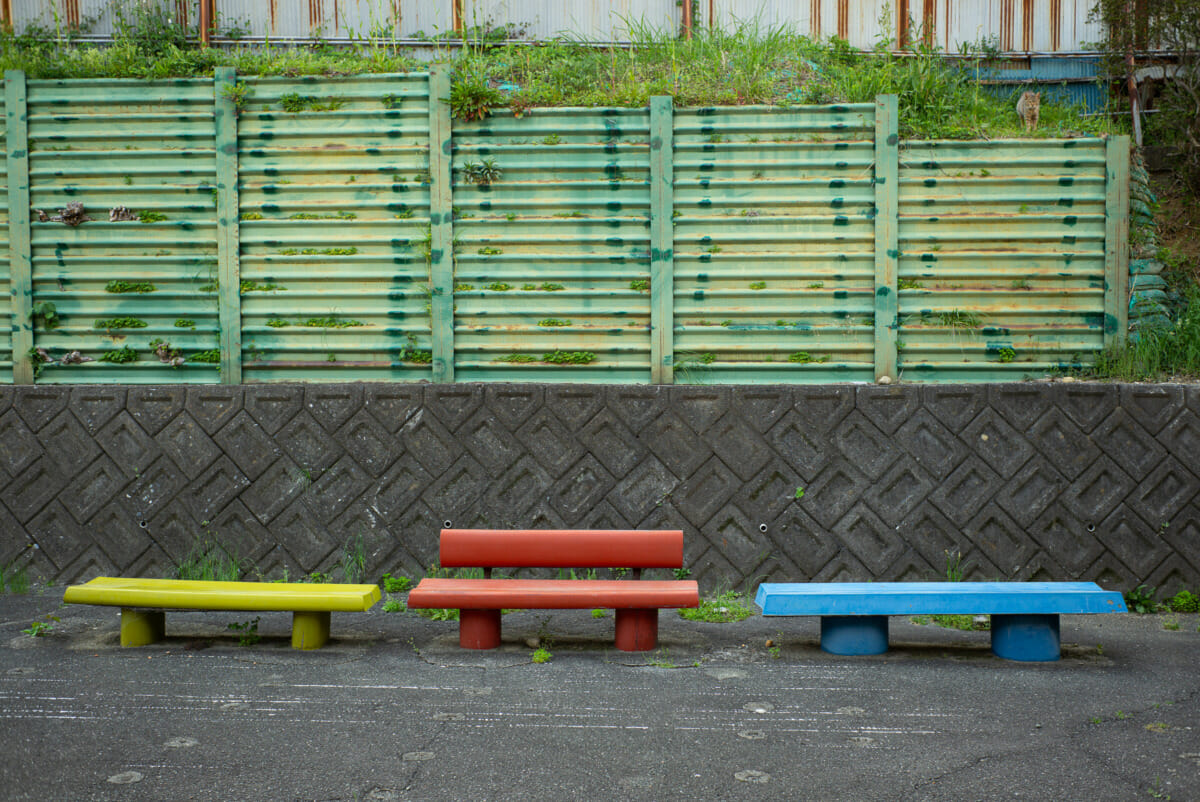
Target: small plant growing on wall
{"points": [[472, 97], [482, 172]]}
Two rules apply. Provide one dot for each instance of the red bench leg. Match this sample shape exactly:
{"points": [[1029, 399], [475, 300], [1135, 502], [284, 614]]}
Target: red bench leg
{"points": [[479, 629], [637, 630]]}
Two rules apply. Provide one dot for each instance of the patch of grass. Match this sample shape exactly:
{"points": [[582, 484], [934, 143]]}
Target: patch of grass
{"points": [[484, 172], [1184, 602], [1006, 355], [247, 631], [294, 103], [640, 284], [909, 284], [599, 613], [758, 285], [516, 358], [1141, 600], [249, 285], [1171, 623], [120, 356], [498, 286], [958, 319], [395, 584], [331, 323], [277, 323], [39, 629], [569, 357], [129, 286], [963, 622], [1158, 353], [210, 561], [120, 323], [14, 579], [343, 215], [209, 357], [722, 608], [542, 655], [392, 606], [185, 323], [150, 217], [553, 322], [804, 357], [354, 560], [487, 250]]}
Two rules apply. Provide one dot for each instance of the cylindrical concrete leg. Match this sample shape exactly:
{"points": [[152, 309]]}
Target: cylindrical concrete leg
{"points": [[854, 634], [140, 627], [310, 630], [1027, 638], [637, 630], [479, 629]]}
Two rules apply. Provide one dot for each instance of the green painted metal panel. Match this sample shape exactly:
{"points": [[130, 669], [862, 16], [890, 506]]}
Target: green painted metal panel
{"points": [[145, 147], [225, 118], [334, 194], [441, 232], [774, 244], [19, 249], [7, 318], [552, 250], [662, 236], [887, 254], [1116, 240]]}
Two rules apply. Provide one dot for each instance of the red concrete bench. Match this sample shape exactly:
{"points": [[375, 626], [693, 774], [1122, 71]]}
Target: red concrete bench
{"points": [[480, 601]]}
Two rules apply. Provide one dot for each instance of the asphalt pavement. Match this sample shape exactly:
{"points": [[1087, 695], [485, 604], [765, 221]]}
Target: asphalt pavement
{"points": [[393, 709]]}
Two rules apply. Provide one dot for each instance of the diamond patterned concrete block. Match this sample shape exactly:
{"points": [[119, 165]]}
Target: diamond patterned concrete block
{"points": [[738, 539], [58, 534], [580, 488], [932, 535], [1097, 492], [7, 392], [95, 406], [1182, 437], [253, 451], [21, 446], [393, 404], [399, 488], [898, 493], [844, 567], [453, 404], [768, 495], [39, 405], [86, 567], [605, 516], [212, 406], [302, 535], [967, 491], [429, 441], [154, 407], [241, 534], [800, 446], [1172, 576], [152, 562], [636, 405], [954, 405], [834, 492], [667, 516], [762, 407], [1020, 403], [274, 489], [338, 487], [873, 542], [705, 492], [548, 440], [910, 567], [1192, 397], [1183, 536], [1061, 441], [66, 442], [1000, 539], [358, 526], [711, 569], [304, 440], [11, 541], [331, 405], [738, 445], [1001, 446], [609, 440], [1109, 573], [373, 446], [124, 538], [864, 445], [1031, 491], [1128, 444], [932, 445], [543, 516], [274, 405], [519, 489], [1165, 493], [805, 541], [1136, 543], [490, 442], [209, 493], [125, 442], [93, 488], [1085, 404], [513, 404], [188, 445], [1152, 405], [699, 406], [1065, 539], [574, 404], [642, 489], [822, 408], [676, 445], [178, 534], [888, 407], [459, 489], [421, 530], [154, 488]]}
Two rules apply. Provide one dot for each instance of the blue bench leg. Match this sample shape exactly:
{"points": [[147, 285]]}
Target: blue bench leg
{"points": [[1028, 638], [854, 634]]}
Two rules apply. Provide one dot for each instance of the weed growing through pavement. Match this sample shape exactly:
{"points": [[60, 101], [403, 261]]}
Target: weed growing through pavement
{"points": [[541, 656], [395, 584], [723, 608], [209, 561], [392, 606], [39, 629], [1141, 600], [354, 560], [599, 613], [14, 579], [247, 631], [1171, 623]]}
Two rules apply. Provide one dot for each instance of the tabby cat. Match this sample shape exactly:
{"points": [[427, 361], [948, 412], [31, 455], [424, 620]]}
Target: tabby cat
{"points": [[1027, 108]]}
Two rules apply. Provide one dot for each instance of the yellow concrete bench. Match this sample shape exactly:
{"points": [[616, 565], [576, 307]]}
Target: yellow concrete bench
{"points": [[143, 601]]}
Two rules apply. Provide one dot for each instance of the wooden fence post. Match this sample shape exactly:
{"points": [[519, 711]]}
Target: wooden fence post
{"points": [[225, 114], [1116, 241], [20, 263], [887, 235], [441, 226], [662, 242]]}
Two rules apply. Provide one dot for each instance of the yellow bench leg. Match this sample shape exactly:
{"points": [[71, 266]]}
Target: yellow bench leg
{"points": [[141, 627], [310, 630]]}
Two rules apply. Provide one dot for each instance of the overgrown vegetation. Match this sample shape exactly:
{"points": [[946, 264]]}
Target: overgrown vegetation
{"points": [[1163, 352], [723, 608], [209, 560]]}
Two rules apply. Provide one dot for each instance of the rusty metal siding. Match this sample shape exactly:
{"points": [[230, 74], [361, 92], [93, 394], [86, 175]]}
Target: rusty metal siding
{"points": [[549, 255], [1002, 257], [147, 147], [598, 20], [774, 244], [334, 203]]}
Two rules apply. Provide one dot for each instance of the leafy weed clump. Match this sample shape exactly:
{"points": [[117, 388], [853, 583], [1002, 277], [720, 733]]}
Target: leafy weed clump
{"points": [[723, 608]]}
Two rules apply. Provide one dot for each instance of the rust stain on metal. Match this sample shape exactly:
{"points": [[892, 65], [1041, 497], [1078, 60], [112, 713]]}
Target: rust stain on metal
{"points": [[902, 23], [273, 13], [928, 20], [814, 18], [71, 12], [1006, 24], [843, 19], [181, 12], [1027, 25], [315, 15], [6, 16], [1055, 24], [457, 11]]}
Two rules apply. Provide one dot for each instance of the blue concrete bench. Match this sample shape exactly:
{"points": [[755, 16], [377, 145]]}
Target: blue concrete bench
{"points": [[1024, 614]]}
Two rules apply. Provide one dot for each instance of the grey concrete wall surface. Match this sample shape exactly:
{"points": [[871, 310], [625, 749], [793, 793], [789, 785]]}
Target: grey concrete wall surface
{"points": [[1056, 481]]}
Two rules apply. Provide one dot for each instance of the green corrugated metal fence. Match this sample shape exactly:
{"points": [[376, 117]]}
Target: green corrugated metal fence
{"points": [[345, 229]]}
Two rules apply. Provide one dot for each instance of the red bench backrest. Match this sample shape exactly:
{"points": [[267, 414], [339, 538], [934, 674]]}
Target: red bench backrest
{"points": [[559, 548]]}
